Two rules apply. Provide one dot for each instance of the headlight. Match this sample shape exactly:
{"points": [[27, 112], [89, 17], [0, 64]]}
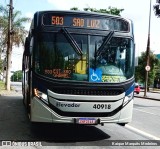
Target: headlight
{"points": [[128, 98], [41, 95]]}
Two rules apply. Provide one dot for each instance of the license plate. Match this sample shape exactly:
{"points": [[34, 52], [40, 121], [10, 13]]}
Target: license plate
{"points": [[87, 121]]}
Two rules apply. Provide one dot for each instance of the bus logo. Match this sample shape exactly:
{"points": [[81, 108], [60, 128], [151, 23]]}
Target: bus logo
{"points": [[72, 105]]}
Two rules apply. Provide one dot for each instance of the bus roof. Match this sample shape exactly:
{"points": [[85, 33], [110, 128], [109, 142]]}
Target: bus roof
{"points": [[79, 12]]}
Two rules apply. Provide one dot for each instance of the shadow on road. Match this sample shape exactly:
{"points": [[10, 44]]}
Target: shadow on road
{"points": [[67, 133], [15, 125]]}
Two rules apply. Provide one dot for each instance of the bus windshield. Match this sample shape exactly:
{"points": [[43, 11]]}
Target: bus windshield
{"points": [[96, 61]]}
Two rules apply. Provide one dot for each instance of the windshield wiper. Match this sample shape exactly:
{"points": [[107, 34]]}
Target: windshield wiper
{"points": [[106, 40], [72, 41]]}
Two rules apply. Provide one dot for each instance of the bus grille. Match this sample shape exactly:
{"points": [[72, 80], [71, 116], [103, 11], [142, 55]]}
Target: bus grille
{"points": [[98, 92]]}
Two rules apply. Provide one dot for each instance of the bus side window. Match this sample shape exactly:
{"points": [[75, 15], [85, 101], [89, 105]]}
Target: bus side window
{"points": [[31, 45]]}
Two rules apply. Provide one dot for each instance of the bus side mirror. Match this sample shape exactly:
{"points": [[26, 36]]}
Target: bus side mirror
{"points": [[27, 46], [32, 32]]}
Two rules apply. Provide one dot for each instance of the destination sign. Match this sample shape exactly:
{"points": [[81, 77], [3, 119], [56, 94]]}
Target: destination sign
{"points": [[79, 21]]}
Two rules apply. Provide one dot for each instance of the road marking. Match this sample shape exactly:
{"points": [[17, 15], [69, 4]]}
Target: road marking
{"points": [[146, 112], [142, 132]]}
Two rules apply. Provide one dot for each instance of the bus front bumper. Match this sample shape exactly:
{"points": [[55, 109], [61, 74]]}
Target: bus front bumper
{"points": [[40, 112]]}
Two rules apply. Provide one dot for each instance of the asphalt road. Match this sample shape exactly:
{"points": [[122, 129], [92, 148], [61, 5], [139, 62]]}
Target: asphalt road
{"points": [[15, 126], [146, 116]]}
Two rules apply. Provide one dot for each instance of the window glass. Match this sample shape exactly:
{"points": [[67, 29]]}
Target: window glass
{"points": [[114, 63], [56, 58], [86, 59]]}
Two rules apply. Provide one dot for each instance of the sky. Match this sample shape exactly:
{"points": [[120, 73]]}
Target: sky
{"points": [[136, 10]]}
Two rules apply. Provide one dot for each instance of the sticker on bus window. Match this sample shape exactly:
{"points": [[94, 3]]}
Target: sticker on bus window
{"points": [[95, 75], [113, 79]]}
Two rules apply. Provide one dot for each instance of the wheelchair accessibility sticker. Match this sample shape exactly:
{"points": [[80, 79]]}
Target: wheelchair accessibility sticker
{"points": [[95, 75]]}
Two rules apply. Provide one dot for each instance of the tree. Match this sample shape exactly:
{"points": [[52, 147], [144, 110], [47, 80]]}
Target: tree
{"points": [[3, 29], [17, 76], [0, 67], [156, 8], [157, 75], [13, 33], [110, 10], [140, 69], [18, 30]]}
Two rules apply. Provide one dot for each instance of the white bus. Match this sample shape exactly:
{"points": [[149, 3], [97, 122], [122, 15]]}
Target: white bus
{"points": [[78, 67]]}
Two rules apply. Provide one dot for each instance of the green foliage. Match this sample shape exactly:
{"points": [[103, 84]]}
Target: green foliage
{"points": [[74, 8], [17, 76], [110, 10], [0, 65], [157, 8], [2, 86], [157, 74], [140, 69], [18, 31]]}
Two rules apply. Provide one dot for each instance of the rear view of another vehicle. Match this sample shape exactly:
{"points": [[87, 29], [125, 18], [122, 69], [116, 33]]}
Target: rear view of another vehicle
{"points": [[137, 88]]}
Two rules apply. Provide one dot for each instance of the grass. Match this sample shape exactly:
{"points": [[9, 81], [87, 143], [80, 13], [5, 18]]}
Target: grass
{"points": [[155, 89], [2, 85]]}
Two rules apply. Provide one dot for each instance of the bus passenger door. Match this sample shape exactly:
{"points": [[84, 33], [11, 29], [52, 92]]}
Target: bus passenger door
{"points": [[25, 71]]}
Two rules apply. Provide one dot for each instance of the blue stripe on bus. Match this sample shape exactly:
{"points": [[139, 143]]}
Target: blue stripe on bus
{"points": [[130, 90]]}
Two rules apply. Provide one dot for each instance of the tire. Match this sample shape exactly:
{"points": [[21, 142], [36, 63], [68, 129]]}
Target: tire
{"points": [[28, 101], [122, 124], [23, 87]]}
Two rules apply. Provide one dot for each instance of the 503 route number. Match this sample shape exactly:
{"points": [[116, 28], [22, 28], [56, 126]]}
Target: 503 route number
{"points": [[102, 106]]}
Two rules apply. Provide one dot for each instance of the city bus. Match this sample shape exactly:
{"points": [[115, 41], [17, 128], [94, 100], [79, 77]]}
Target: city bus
{"points": [[78, 68]]}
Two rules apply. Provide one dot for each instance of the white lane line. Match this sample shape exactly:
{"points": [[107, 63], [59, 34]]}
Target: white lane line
{"points": [[146, 112], [142, 132]]}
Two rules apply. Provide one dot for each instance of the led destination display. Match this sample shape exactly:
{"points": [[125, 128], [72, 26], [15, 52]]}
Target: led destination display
{"points": [[107, 23]]}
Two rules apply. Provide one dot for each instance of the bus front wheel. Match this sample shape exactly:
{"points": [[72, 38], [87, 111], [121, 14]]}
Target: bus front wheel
{"points": [[122, 124]]}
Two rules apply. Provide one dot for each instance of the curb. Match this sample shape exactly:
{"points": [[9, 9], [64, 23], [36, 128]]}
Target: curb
{"points": [[147, 98], [158, 92]]}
